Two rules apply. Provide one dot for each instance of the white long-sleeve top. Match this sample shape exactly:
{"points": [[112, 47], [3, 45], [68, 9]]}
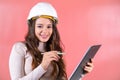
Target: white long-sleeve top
{"points": [[20, 65]]}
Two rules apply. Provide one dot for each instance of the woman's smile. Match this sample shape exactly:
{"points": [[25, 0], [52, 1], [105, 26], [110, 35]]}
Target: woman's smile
{"points": [[44, 36]]}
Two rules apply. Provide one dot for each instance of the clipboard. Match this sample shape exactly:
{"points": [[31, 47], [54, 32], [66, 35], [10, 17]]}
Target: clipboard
{"points": [[78, 71]]}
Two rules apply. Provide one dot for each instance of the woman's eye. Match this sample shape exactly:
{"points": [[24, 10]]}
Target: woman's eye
{"points": [[39, 26], [49, 27]]}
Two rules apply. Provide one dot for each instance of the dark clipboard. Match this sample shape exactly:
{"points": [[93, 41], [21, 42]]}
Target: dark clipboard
{"points": [[78, 71]]}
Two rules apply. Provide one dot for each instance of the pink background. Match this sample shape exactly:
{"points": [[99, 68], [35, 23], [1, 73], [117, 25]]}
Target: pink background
{"points": [[81, 23]]}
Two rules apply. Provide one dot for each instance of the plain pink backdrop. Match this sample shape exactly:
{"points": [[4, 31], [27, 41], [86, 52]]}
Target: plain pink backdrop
{"points": [[81, 23]]}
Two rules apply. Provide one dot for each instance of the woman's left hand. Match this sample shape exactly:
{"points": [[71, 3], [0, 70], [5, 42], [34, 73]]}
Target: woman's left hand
{"points": [[89, 66]]}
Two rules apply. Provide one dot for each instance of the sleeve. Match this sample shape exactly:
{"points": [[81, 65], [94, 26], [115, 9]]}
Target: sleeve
{"points": [[16, 65]]}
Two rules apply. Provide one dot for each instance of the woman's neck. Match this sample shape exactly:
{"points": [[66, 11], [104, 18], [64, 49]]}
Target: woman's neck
{"points": [[41, 46]]}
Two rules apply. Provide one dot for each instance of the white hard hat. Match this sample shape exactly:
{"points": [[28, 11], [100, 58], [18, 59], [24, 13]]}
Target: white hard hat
{"points": [[42, 8]]}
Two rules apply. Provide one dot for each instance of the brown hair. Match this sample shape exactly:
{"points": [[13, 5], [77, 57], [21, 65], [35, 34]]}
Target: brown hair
{"points": [[53, 43]]}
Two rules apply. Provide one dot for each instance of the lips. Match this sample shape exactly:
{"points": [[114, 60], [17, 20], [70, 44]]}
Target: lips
{"points": [[44, 36]]}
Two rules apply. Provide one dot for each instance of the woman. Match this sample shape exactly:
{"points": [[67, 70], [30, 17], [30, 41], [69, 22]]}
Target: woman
{"points": [[37, 57]]}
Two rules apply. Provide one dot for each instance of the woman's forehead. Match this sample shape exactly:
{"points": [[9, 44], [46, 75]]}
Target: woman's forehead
{"points": [[43, 20]]}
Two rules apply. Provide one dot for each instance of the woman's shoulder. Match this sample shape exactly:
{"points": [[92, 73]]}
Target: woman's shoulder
{"points": [[19, 47], [20, 43]]}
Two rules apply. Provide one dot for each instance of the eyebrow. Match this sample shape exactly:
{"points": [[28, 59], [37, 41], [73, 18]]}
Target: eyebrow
{"points": [[39, 24], [42, 24]]}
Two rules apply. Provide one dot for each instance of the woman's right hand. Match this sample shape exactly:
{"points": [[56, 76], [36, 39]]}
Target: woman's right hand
{"points": [[48, 57]]}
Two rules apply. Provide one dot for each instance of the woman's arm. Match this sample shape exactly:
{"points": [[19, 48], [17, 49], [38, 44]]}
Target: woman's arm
{"points": [[17, 64]]}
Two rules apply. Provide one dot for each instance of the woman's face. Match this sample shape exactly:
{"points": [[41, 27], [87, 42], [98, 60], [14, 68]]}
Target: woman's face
{"points": [[43, 29]]}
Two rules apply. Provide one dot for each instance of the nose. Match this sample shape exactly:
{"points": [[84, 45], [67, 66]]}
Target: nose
{"points": [[44, 30]]}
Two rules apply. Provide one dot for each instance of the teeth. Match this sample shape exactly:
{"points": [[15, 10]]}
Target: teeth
{"points": [[44, 36]]}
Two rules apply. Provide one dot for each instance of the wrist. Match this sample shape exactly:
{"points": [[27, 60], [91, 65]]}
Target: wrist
{"points": [[43, 66]]}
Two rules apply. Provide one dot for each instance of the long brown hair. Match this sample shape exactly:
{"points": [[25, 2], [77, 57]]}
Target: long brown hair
{"points": [[53, 43]]}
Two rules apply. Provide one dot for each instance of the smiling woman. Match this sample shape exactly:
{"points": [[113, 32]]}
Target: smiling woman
{"points": [[42, 37], [36, 58]]}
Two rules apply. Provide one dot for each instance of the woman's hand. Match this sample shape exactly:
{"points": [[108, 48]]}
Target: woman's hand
{"points": [[48, 57], [89, 66]]}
